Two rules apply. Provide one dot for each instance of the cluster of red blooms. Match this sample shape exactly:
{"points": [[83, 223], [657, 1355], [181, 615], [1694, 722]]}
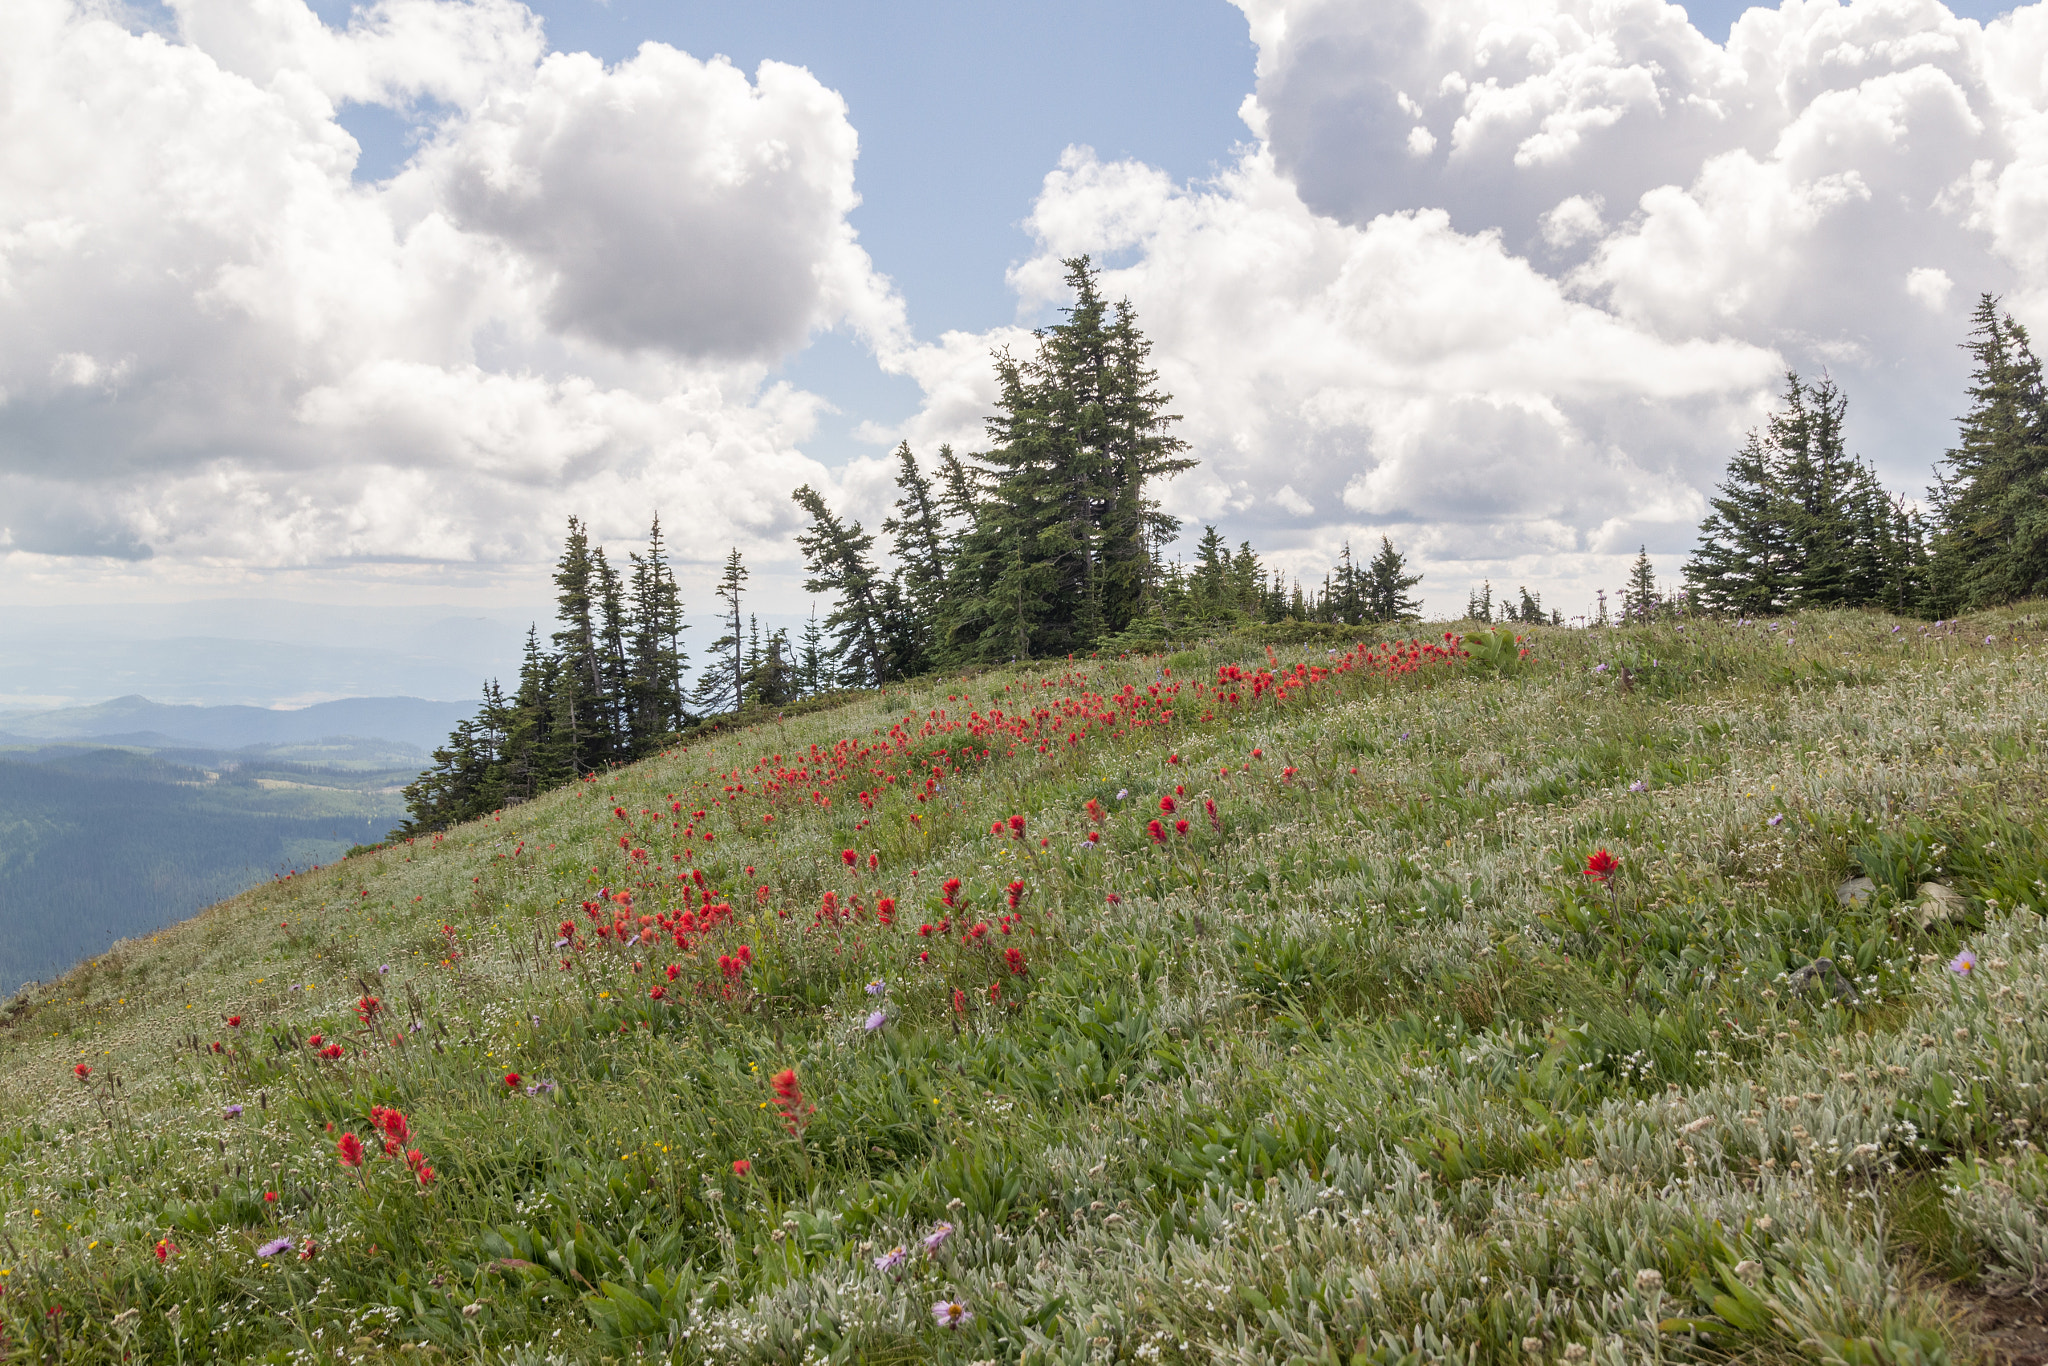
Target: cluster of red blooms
{"points": [[1601, 865], [789, 1100], [733, 965], [367, 1008], [322, 1048], [393, 1129]]}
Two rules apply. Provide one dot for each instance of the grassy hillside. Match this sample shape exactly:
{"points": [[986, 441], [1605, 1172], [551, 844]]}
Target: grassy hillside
{"points": [[100, 843], [1358, 1064]]}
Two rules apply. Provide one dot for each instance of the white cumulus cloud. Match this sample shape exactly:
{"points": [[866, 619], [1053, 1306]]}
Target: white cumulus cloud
{"points": [[1534, 347], [220, 349]]}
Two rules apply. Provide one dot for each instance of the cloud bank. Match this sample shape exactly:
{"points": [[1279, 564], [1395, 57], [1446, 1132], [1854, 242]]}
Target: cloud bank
{"points": [[1506, 279], [1509, 278], [217, 348]]}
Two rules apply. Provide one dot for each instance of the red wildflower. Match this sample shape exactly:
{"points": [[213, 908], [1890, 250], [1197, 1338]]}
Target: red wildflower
{"points": [[959, 1001], [165, 1249], [315, 1042], [1166, 806], [512, 1081], [393, 1124], [848, 857], [745, 955], [350, 1150], [789, 1099], [995, 991], [656, 993], [234, 1022], [742, 1167], [951, 888], [331, 1052], [270, 1197], [81, 1071], [1015, 958], [1180, 828], [1601, 865], [674, 970], [1156, 831], [1016, 890], [1017, 827]]}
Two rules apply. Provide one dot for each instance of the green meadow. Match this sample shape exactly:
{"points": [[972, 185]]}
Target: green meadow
{"points": [[1246, 1003]]}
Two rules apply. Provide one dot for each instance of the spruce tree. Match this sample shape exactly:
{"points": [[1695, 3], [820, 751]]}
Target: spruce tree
{"points": [[581, 733], [1387, 585], [1990, 499], [1640, 599], [1740, 564], [1530, 609], [656, 657], [838, 556], [912, 607], [1479, 603], [812, 671], [722, 685]]}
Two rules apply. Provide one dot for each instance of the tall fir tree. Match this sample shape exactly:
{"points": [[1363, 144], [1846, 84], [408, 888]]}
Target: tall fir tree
{"points": [[1990, 498], [656, 658], [1639, 598], [1386, 586], [722, 687], [1799, 522], [581, 734], [840, 559]]}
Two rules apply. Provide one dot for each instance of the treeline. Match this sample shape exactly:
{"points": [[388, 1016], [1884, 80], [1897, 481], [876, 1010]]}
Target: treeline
{"points": [[610, 691], [1049, 543], [1797, 522]]}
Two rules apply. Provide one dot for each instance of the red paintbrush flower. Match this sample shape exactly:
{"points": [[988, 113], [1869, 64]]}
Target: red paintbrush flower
{"points": [[350, 1150], [1601, 865]]}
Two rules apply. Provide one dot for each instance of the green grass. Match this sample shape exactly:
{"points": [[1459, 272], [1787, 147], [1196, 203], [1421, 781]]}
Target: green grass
{"points": [[1362, 1069]]}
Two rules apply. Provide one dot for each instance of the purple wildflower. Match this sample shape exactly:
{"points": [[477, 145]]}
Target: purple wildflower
{"points": [[232, 1112], [952, 1314], [1778, 819], [936, 1239], [383, 968], [273, 1247], [1639, 786], [891, 1259], [877, 1020], [878, 987], [1964, 963]]}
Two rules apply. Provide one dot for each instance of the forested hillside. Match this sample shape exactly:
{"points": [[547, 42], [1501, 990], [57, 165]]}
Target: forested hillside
{"points": [[100, 844]]}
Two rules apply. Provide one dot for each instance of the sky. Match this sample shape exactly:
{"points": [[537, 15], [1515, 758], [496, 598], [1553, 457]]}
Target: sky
{"points": [[354, 304]]}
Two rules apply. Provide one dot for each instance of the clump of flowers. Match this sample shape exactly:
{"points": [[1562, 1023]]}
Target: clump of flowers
{"points": [[1601, 866]]}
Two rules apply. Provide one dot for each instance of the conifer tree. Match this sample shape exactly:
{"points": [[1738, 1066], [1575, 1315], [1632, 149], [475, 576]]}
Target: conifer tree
{"points": [[1530, 608], [838, 556], [1479, 603], [723, 686], [813, 673], [656, 658], [581, 734], [1387, 585], [1740, 564], [1990, 497], [1639, 599]]}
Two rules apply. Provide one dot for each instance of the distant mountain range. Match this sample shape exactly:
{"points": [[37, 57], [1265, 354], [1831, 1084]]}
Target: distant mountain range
{"points": [[157, 725]]}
